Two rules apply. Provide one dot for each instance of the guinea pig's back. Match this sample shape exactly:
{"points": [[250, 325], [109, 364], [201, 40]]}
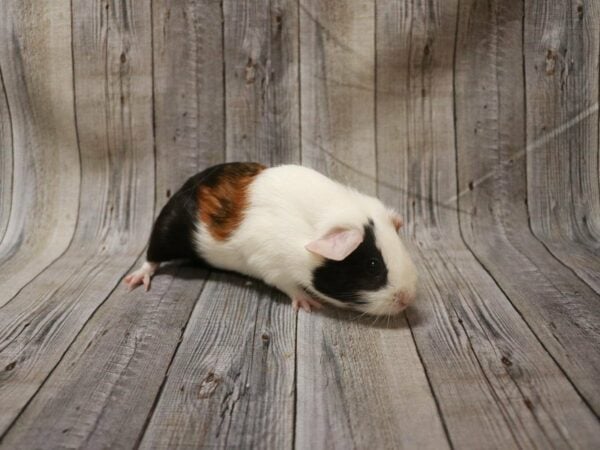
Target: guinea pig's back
{"points": [[301, 191], [286, 205]]}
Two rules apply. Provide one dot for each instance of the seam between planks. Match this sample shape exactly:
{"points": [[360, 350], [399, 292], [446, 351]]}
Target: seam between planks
{"points": [[295, 409], [299, 79], [375, 85], [224, 80], [153, 77], [299, 82], [12, 142]]}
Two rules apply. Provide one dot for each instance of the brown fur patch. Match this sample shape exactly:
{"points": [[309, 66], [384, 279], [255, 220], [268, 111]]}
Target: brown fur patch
{"points": [[223, 197]]}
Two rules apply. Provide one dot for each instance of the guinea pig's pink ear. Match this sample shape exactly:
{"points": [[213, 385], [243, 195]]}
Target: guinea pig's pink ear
{"points": [[396, 219], [337, 244]]}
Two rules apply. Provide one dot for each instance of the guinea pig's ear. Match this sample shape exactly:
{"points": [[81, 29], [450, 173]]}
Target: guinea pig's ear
{"points": [[337, 244], [396, 219]]}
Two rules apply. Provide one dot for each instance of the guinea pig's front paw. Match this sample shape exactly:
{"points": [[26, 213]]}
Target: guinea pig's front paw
{"points": [[305, 302], [141, 276]]}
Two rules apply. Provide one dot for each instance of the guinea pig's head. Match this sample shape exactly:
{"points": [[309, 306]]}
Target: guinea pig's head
{"points": [[365, 268]]}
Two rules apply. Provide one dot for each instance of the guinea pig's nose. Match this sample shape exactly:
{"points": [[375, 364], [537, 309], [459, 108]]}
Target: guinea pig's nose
{"points": [[403, 299]]}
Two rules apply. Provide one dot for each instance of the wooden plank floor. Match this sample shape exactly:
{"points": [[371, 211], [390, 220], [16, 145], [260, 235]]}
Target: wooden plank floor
{"points": [[477, 120]]}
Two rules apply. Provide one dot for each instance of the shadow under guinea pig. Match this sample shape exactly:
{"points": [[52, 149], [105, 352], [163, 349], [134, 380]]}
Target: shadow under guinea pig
{"points": [[196, 270]]}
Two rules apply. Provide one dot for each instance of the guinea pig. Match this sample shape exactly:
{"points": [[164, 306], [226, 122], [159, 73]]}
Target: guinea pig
{"points": [[312, 238]]}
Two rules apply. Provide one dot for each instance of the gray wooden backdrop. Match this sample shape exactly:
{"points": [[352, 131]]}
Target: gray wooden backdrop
{"points": [[478, 120]]}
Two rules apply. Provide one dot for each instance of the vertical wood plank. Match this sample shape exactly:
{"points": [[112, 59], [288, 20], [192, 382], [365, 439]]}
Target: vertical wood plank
{"points": [[337, 73], [39, 89], [490, 108], [415, 129], [515, 394], [562, 50], [188, 90], [360, 384], [261, 76], [119, 131], [231, 382], [111, 48]]}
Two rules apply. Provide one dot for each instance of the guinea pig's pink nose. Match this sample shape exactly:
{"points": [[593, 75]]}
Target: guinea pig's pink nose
{"points": [[403, 299]]}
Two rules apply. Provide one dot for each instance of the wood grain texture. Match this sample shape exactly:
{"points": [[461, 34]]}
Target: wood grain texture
{"points": [[562, 51], [261, 81], [560, 309], [39, 324], [477, 349], [477, 120], [35, 59], [231, 383], [361, 385], [495, 383], [353, 378], [95, 397], [337, 71], [188, 91]]}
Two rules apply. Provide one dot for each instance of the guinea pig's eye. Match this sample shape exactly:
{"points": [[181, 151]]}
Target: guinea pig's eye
{"points": [[374, 265]]}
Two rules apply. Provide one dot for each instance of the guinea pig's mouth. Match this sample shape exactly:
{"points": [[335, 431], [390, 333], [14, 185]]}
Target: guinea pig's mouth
{"points": [[375, 306]]}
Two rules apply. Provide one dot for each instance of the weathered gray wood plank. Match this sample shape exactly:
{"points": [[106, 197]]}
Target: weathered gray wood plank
{"points": [[359, 385], [103, 390], [337, 72], [231, 383], [496, 386], [562, 50], [496, 383], [188, 90], [261, 76], [39, 89], [115, 141], [563, 311]]}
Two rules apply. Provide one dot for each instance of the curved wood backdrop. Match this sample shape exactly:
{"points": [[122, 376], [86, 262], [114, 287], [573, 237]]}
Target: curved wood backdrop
{"points": [[478, 120]]}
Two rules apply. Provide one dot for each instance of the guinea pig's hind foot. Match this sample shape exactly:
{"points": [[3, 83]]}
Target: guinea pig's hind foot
{"points": [[304, 301], [141, 276]]}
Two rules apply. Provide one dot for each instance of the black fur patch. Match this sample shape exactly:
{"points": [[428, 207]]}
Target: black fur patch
{"points": [[172, 233], [362, 270], [171, 236]]}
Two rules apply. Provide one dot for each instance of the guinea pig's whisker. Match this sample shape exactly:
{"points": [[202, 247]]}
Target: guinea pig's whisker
{"points": [[360, 316]]}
